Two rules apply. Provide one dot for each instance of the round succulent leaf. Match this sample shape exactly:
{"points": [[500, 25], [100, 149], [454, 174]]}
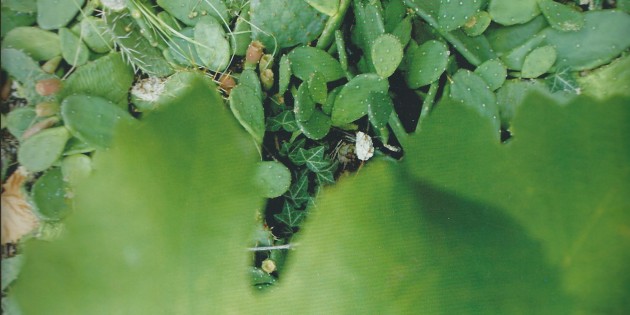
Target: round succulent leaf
{"points": [[493, 72], [20, 119], [510, 12], [317, 127], [317, 87], [93, 119], [352, 102], [75, 168], [304, 104], [42, 150], [426, 63], [183, 51], [35, 42], [306, 60], [472, 91], [49, 195], [284, 74], [272, 179], [603, 37], [477, 24], [453, 14], [247, 107], [286, 23], [380, 107], [73, 50], [96, 35], [54, 14], [211, 43], [561, 17], [387, 53], [330, 100], [538, 62]]}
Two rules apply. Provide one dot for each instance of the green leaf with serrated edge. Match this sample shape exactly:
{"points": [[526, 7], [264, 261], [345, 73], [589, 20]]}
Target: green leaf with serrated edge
{"points": [[272, 179], [35, 42], [108, 77], [380, 107], [560, 16], [317, 127], [73, 50], [248, 110], [43, 149], [538, 62], [306, 60], [387, 53], [298, 192], [493, 72], [508, 12], [54, 14], [284, 74], [152, 235], [317, 87], [426, 63], [284, 120], [352, 102], [49, 195], [471, 90], [93, 119], [211, 44], [609, 80], [290, 216]]}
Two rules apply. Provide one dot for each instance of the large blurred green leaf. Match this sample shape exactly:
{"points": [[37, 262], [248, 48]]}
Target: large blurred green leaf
{"points": [[464, 226], [162, 226]]}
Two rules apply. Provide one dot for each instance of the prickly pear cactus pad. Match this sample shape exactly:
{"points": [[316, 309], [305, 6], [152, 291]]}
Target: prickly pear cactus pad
{"points": [[315, 156]]}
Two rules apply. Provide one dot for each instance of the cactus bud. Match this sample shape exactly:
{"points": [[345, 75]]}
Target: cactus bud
{"points": [[51, 65], [254, 53], [268, 266], [266, 79], [226, 83], [47, 87], [46, 109], [266, 62]]}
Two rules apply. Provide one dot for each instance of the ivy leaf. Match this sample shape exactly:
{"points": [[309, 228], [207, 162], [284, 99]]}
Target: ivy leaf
{"points": [[298, 192], [284, 120], [291, 149], [313, 158], [563, 80], [325, 176], [290, 216]]}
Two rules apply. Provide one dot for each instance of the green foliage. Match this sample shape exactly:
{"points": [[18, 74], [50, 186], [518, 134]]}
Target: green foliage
{"points": [[54, 14], [35, 42], [272, 179], [93, 119], [306, 60], [353, 100], [538, 61], [477, 24], [426, 63], [95, 34], [560, 16], [190, 12], [507, 12], [296, 23], [471, 90], [317, 126], [73, 50], [387, 53], [49, 195], [493, 72], [247, 108], [41, 151], [213, 47]]}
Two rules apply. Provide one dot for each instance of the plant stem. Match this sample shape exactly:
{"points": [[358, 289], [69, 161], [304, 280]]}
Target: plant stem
{"points": [[332, 25]]}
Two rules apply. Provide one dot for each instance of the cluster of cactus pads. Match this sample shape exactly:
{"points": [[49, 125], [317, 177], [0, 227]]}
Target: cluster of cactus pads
{"points": [[302, 77]]}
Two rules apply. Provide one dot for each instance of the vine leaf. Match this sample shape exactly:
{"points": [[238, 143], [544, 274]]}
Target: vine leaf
{"points": [[290, 216]]}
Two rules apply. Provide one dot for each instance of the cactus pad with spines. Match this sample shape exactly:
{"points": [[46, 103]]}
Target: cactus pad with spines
{"points": [[454, 13], [212, 45], [35, 42], [352, 102], [317, 127], [73, 50], [471, 90], [561, 17], [493, 72], [96, 35], [317, 87], [272, 178], [426, 63], [54, 14], [191, 11], [387, 53], [380, 107], [42, 150], [49, 195], [304, 104], [295, 23], [538, 62], [510, 12], [306, 60], [247, 107]]}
